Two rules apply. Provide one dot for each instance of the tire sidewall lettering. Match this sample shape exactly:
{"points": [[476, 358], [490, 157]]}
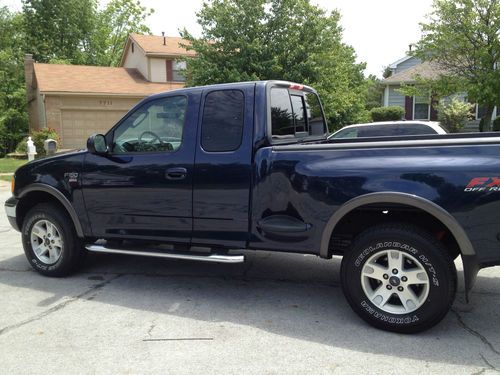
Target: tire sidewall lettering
{"points": [[388, 318], [384, 246]]}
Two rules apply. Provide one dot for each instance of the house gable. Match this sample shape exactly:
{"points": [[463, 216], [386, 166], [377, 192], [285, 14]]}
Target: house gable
{"points": [[155, 57], [135, 57], [404, 63]]}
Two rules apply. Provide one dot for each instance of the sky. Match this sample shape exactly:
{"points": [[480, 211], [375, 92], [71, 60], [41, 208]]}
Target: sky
{"points": [[379, 30]]}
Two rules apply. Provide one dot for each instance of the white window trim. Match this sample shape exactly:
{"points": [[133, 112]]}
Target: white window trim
{"points": [[386, 96], [428, 110]]}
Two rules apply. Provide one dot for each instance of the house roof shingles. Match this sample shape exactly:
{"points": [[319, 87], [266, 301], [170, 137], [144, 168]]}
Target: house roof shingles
{"points": [[96, 80], [153, 45], [426, 70]]}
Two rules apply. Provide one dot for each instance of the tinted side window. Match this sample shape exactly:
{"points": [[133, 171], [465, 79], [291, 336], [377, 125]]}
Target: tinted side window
{"points": [[281, 113], [378, 131], [222, 124], [317, 123], [295, 115], [415, 129], [298, 114], [154, 127], [347, 133]]}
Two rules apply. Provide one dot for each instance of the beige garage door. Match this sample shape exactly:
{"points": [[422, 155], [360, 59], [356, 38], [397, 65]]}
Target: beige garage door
{"points": [[78, 125]]}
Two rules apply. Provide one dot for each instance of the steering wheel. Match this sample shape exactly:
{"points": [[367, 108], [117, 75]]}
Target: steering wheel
{"points": [[155, 137]]}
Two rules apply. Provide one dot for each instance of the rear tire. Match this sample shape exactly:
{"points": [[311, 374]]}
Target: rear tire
{"points": [[50, 241], [399, 278]]}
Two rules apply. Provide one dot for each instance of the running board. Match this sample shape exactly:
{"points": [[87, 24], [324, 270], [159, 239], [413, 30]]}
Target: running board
{"points": [[217, 258]]}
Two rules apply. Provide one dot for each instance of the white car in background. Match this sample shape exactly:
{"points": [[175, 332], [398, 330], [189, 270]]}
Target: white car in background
{"points": [[388, 129]]}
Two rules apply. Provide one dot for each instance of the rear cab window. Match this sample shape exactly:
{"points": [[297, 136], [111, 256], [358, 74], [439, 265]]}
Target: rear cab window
{"points": [[296, 114]]}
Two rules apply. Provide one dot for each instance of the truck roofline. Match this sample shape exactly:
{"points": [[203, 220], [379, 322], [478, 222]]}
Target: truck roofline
{"points": [[231, 85]]}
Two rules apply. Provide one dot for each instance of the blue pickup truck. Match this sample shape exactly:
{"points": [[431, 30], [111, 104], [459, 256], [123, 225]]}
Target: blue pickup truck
{"points": [[207, 173]]}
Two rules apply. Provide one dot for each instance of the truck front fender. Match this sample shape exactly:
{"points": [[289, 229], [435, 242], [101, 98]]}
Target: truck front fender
{"points": [[56, 194]]}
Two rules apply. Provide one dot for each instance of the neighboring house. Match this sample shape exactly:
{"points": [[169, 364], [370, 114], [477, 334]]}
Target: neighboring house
{"points": [[78, 100], [419, 107]]}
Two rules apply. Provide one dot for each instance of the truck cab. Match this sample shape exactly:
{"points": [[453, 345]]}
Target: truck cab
{"points": [[178, 167]]}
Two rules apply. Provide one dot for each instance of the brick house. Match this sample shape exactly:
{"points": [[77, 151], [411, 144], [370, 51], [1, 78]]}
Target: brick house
{"points": [[420, 107], [78, 100]]}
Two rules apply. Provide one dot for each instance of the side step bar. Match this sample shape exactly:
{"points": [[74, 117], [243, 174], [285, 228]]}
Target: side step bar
{"points": [[218, 258]]}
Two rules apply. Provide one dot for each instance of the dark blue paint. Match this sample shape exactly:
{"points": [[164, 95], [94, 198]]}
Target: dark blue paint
{"points": [[226, 194], [131, 196]]}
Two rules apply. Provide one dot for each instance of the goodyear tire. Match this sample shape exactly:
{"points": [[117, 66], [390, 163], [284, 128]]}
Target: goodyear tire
{"points": [[399, 278], [50, 241]]}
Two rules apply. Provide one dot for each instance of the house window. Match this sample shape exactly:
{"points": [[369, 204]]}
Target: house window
{"points": [[132, 47], [178, 69], [421, 108]]}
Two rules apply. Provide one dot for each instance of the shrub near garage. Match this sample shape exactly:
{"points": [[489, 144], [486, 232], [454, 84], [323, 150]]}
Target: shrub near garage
{"points": [[391, 113], [496, 124], [38, 138]]}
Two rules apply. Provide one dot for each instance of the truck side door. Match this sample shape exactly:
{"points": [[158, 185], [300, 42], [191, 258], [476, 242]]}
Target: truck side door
{"points": [[222, 177], [142, 188]]}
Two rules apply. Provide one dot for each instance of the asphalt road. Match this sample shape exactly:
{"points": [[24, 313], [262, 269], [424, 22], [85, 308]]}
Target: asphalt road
{"points": [[274, 314]]}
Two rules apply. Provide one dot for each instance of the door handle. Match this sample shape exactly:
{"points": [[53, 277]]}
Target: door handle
{"points": [[177, 173]]}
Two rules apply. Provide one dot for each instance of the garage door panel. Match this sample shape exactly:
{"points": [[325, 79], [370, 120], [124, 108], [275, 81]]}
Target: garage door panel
{"points": [[78, 125]]}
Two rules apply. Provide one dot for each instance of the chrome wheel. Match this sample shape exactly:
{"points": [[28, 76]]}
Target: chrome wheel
{"points": [[395, 281], [46, 242]]}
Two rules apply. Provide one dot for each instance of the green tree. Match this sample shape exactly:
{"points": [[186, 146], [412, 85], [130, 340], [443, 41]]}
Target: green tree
{"points": [[454, 115], [78, 32], [374, 92], [112, 25], [387, 72], [13, 117], [461, 37], [279, 39], [59, 29]]}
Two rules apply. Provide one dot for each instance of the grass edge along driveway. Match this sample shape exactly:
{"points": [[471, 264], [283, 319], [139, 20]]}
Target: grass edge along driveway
{"points": [[9, 166]]}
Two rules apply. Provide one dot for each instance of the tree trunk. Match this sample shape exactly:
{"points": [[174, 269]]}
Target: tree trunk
{"points": [[487, 118]]}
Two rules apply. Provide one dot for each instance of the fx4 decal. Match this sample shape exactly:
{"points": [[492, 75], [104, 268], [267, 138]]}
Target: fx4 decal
{"points": [[483, 184]]}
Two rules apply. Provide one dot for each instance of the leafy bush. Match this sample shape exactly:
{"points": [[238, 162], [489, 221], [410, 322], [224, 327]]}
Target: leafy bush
{"points": [[454, 115], [391, 113], [38, 138], [496, 124], [13, 126]]}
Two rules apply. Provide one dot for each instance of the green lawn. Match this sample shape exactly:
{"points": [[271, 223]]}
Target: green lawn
{"points": [[8, 165]]}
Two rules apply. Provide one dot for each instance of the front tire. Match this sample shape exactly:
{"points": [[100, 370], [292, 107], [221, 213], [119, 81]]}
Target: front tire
{"points": [[398, 278], [50, 241]]}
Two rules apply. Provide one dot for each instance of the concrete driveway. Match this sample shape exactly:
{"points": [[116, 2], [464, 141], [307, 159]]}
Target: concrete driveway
{"points": [[276, 313]]}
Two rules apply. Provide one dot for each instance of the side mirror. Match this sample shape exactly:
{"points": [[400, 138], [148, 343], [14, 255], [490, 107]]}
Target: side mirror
{"points": [[96, 144]]}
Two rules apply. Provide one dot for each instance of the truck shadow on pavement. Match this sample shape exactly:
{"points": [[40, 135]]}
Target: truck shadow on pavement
{"points": [[290, 295]]}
